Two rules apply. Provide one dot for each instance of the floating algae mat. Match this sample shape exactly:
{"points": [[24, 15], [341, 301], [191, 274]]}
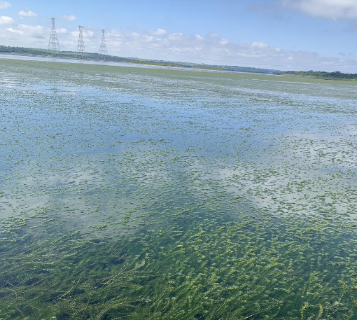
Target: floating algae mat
{"points": [[139, 193]]}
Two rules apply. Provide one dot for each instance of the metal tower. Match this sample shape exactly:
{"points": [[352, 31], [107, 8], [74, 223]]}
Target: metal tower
{"points": [[103, 45], [81, 48], [53, 43]]}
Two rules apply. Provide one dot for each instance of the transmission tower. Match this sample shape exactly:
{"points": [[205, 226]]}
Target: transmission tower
{"points": [[103, 45], [81, 48], [53, 43]]}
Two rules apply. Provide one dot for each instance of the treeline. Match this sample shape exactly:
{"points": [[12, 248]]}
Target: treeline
{"points": [[96, 56], [58, 54], [336, 75]]}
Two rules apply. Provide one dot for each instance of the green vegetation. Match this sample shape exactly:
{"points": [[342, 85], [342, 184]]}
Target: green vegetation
{"points": [[336, 75], [153, 193], [96, 56], [198, 268], [323, 75]]}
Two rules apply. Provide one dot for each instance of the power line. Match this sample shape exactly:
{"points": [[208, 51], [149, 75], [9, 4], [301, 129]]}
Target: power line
{"points": [[103, 45], [80, 47], [53, 43]]}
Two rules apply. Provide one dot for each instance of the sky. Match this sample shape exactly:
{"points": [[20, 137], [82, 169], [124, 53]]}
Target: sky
{"points": [[272, 34]]}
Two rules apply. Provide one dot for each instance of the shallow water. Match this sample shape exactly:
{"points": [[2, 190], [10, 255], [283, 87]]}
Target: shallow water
{"points": [[158, 193]]}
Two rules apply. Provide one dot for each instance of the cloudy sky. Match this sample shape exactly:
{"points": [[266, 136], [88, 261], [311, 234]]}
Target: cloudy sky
{"points": [[275, 34]]}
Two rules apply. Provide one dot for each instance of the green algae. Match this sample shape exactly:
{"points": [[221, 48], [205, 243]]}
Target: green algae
{"points": [[161, 194], [258, 268]]}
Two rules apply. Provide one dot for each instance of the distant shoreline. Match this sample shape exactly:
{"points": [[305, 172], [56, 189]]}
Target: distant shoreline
{"points": [[98, 57], [70, 55], [33, 57]]}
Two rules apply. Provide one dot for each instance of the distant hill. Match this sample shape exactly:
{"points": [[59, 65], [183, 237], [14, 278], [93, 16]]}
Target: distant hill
{"points": [[336, 75], [96, 56]]}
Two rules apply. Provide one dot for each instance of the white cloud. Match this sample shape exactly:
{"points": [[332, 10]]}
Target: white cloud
{"points": [[258, 44], [6, 21], [15, 31], [69, 18], [148, 38], [4, 5], [61, 30], [175, 36], [27, 13], [23, 35], [32, 31], [88, 33], [135, 35], [212, 49], [28, 31], [332, 9], [223, 42], [159, 32]]}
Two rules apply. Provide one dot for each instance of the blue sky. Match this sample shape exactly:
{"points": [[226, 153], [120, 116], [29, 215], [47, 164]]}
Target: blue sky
{"points": [[277, 34]]}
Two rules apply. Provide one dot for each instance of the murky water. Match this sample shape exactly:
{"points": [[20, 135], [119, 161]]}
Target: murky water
{"points": [[147, 193]]}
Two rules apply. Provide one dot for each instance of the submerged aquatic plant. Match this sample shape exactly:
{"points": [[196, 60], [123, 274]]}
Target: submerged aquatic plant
{"points": [[150, 194]]}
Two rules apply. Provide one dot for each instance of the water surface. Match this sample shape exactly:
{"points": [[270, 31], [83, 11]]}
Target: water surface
{"points": [[147, 193]]}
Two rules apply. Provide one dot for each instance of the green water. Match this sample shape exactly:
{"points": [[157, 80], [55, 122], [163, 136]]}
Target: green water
{"points": [[134, 193]]}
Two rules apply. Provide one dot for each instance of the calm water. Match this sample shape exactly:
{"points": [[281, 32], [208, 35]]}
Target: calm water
{"points": [[147, 193]]}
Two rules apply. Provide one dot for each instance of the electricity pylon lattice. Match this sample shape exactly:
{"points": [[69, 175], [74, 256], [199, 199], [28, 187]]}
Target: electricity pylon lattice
{"points": [[53, 43], [81, 48], [103, 45]]}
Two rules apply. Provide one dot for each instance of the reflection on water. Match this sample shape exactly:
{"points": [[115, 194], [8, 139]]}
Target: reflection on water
{"points": [[154, 193]]}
